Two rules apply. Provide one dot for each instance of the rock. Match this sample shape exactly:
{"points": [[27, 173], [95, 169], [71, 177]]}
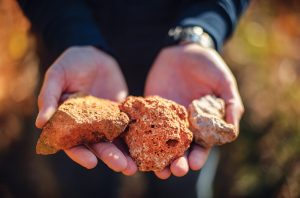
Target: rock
{"points": [[206, 122], [81, 120], [158, 131]]}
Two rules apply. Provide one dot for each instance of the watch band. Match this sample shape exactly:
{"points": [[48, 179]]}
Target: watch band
{"points": [[195, 34]]}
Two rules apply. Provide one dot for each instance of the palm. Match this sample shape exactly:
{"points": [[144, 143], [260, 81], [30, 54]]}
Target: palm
{"points": [[175, 86], [184, 73], [92, 72], [184, 77], [86, 69]]}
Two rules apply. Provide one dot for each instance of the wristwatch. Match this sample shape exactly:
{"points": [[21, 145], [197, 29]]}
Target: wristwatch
{"points": [[195, 34]]}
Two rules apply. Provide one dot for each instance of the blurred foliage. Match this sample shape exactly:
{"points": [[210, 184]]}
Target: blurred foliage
{"points": [[19, 72], [18, 80], [263, 54]]}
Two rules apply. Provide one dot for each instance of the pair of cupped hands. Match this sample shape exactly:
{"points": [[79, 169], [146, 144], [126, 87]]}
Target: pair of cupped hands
{"points": [[180, 73]]}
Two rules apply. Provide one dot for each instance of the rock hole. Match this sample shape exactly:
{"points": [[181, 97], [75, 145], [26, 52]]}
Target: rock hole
{"points": [[172, 142], [152, 126], [148, 132], [132, 121]]}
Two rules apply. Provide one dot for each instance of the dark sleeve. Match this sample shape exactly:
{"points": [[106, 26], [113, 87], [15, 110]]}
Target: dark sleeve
{"points": [[216, 17], [63, 23]]}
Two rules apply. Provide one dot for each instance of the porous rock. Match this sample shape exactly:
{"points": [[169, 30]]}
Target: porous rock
{"points": [[158, 132], [81, 120]]}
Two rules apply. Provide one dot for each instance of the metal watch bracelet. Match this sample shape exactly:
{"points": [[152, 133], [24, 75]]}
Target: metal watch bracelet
{"points": [[193, 34]]}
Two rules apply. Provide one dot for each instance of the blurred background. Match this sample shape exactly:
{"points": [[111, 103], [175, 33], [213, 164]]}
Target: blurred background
{"points": [[264, 54]]}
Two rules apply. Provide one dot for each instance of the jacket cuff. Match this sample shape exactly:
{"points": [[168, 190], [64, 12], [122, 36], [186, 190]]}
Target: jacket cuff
{"points": [[213, 19]]}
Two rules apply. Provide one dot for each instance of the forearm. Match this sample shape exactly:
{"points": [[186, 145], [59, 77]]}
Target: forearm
{"points": [[63, 23]]}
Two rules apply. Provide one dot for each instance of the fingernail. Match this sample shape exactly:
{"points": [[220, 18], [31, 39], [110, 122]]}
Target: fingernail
{"points": [[116, 162], [43, 116], [121, 96], [49, 112], [114, 156], [181, 163]]}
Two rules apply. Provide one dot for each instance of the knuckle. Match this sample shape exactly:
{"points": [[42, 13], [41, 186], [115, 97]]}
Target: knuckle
{"points": [[110, 62], [52, 72], [242, 109], [239, 108], [71, 49]]}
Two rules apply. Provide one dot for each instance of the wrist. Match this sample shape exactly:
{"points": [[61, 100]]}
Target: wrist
{"points": [[189, 35]]}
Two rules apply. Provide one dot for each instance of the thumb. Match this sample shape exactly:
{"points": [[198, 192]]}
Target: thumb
{"points": [[49, 95], [234, 112], [233, 104]]}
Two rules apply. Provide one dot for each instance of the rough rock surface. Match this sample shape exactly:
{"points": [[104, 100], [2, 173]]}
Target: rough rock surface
{"points": [[206, 121], [158, 132], [80, 120]]}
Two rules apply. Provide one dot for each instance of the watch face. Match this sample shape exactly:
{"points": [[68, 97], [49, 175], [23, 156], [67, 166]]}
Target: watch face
{"points": [[192, 35], [197, 30]]}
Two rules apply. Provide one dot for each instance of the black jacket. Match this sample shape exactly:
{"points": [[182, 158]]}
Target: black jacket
{"points": [[132, 30]]}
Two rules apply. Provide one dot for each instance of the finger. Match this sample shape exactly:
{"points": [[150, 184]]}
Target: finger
{"points": [[131, 168], [49, 96], [131, 165], [121, 95], [180, 166], [164, 174], [197, 157], [82, 156], [234, 114], [233, 104], [110, 155]]}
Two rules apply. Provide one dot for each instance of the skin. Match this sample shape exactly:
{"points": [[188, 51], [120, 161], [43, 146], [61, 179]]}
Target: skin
{"points": [[180, 73], [186, 72], [86, 69]]}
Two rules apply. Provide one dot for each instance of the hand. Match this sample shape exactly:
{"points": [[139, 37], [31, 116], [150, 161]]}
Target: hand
{"points": [[86, 69], [186, 72]]}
